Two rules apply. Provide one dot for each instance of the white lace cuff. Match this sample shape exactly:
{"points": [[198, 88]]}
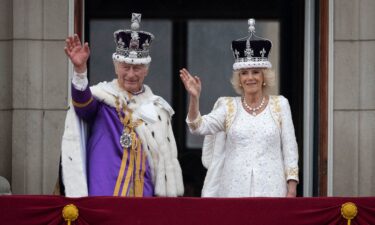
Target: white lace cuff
{"points": [[80, 81], [196, 123], [292, 174]]}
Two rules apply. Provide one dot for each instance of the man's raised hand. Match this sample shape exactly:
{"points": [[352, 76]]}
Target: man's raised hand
{"points": [[77, 53]]}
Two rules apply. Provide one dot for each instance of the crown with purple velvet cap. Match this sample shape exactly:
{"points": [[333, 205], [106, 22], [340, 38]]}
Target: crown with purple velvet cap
{"points": [[133, 46]]}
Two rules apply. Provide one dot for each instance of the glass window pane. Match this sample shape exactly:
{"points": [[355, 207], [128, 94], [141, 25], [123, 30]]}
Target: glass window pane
{"points": [[210, 57], [103, 46]]}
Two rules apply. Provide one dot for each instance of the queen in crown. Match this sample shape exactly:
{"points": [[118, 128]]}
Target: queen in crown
{"points": [[250, 148]]}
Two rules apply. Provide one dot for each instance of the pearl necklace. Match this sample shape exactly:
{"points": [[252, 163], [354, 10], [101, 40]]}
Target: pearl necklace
{"points": [[253, 110]]}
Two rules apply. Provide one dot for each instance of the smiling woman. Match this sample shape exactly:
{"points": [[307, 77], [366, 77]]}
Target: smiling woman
{"points": [[268, 80], [250, 148]]}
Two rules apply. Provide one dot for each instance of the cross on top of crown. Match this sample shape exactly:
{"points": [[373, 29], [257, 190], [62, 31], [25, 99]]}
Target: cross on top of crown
{"points": [[135, 21]]}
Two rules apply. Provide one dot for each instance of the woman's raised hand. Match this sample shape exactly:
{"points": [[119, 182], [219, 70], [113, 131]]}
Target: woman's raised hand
{"points": [[192, 83], [77, 53]]}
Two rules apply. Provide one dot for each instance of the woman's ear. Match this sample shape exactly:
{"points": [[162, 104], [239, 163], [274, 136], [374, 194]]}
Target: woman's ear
{"points": [[264, 77]]}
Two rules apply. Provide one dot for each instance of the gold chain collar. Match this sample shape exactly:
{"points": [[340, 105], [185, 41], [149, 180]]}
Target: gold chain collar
{"points": [[128, 123]]}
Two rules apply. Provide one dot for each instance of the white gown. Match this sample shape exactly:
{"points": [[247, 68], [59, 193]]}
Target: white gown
{"points": [[253, 165], [257, 159]]}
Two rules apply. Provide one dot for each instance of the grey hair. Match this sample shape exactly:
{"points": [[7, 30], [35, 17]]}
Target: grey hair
{"points": [[268, 78], [115, 63]]}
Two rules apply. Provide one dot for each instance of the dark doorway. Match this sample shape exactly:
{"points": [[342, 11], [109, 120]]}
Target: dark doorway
{"points": [[174, 21]]}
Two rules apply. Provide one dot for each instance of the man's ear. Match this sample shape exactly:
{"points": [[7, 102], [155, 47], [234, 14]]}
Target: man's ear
{"points": [[115, 66], [147, 69]]}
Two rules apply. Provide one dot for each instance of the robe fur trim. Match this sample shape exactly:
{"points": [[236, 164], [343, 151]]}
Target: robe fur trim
{"points": [[156, 134]]}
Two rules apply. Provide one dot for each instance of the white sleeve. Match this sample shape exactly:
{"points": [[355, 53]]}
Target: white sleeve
{"points": [[80, 81], [289, 143], [210, 123]]}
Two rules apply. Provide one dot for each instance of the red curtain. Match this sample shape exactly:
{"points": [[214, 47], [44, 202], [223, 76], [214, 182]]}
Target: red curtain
{"points": [[185, 211]]}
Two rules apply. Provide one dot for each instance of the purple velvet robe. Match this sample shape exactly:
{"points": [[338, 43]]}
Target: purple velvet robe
{"points": [[104, 151]]}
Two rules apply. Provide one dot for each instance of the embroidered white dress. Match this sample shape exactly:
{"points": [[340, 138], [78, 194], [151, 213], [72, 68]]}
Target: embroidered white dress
{"points": [[257, 161]]}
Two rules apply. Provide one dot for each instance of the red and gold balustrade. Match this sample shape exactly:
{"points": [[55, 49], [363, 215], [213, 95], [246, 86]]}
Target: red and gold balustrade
{"points": [[51, 210]]}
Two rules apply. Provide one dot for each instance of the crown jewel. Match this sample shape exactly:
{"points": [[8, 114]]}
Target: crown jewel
{"points": [[251, 51], [133, 46]]}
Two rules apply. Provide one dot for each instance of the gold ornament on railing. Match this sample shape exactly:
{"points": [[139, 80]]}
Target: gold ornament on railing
{"points": [[70, 213], [349, 211]]}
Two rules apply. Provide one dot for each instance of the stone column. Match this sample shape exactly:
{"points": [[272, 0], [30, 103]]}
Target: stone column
{"points": [[354, 94], [40, 90], [6, 45]]}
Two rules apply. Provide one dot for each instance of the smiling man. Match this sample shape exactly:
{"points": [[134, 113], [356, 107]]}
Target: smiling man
{"points": [[130, 149]]}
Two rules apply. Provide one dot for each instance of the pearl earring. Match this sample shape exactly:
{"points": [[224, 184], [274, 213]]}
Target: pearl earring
{"points": [[264, 84]]}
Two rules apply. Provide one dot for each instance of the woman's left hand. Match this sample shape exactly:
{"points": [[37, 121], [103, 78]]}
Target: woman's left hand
{"points": [[292, 189], [291, 194]]}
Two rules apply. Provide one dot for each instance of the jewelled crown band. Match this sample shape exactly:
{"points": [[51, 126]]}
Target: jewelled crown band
{"points": [[133, 46], [251, 51]]}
